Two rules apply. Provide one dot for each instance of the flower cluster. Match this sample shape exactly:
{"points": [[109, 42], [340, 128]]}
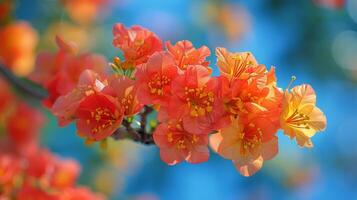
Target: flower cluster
{"points": [[237, 113], [28, 171]]}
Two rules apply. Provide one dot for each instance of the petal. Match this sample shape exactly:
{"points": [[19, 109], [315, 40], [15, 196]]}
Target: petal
{"points": [[170, 156], [270, 149], [249, 166], [198, 154]]}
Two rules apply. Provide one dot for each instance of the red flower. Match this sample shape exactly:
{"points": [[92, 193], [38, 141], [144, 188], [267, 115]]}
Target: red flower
{"points": [[196, 98], [23, 125], [136, 43], [176, 144], [125, 91], [153, 79], [185, 54], [65, 106], [98, 116], [60, 72]]}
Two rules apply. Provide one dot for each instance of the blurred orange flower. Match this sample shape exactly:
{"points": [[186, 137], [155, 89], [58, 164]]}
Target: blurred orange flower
{"points": [[17, 50], [84, 11], [300, 118]]}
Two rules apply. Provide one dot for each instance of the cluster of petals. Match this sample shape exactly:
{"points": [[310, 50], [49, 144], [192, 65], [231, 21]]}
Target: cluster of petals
{"points": [[28, 171], [40, 174], [237, 113], [59, 72]]}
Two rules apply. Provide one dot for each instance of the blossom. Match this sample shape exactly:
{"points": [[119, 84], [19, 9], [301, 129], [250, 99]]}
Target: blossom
{"points": [[154, 78], [300, 118], [136, 43], [17, 50], [241, 65], [28, 192], [84, 11], [64, 174], [23, 125], [246, 143], [185, 54], [7, 98], [125, 91], [257, 97], [65, 106], [9, 168], [60, 72], [195, 98], [177, 144], [98, 116]]}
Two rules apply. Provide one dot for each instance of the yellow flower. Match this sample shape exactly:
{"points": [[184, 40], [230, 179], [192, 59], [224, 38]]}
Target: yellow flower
{"points": [[300, 118]]}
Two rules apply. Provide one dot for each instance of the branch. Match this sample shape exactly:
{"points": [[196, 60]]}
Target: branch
{"points": [[39, 93], [26, 87]]}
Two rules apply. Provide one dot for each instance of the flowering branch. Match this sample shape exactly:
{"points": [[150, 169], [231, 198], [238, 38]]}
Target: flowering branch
{"points": [[37, 92]]}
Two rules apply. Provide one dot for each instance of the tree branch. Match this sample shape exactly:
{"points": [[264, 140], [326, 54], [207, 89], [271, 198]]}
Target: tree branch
{"points": [[39, 93]]}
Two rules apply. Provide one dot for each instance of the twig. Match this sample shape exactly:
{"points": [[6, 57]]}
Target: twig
{"points": [[30, 89]]}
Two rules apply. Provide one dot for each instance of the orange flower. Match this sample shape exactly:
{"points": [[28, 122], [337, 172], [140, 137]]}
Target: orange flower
{"points": [[238, 65], [258, 96], [84, 11], [98, 116], [125, 91], [65, 106], [176, 144], [195, 99], [300, 118], [59, 72], [185, 54], [247, 144], [136, 43], [153, 79], [17, 49], [64, 174]]}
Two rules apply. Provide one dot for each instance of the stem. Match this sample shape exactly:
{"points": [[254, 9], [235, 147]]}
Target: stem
{"points": [[27, 87], [39, 93]]}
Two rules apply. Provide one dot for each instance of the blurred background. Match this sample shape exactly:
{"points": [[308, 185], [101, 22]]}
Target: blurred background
{"points": [[315, 40]]}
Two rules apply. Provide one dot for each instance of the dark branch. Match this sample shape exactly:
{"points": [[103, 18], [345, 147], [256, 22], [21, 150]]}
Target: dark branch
{"points": [[26, 87], [126, 131]]}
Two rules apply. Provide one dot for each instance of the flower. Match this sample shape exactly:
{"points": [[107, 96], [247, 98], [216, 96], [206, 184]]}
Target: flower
{"points": [[98, 116], [17, 50], [60, 72], [136, 43], [258, 96], [84, 11], [300, 118], [235, 66], [246, 143], [65, 174], [65, 106], [185, 54], [195, 98], [23, 125], [176, 144], [125, 91], [154, 78]]}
